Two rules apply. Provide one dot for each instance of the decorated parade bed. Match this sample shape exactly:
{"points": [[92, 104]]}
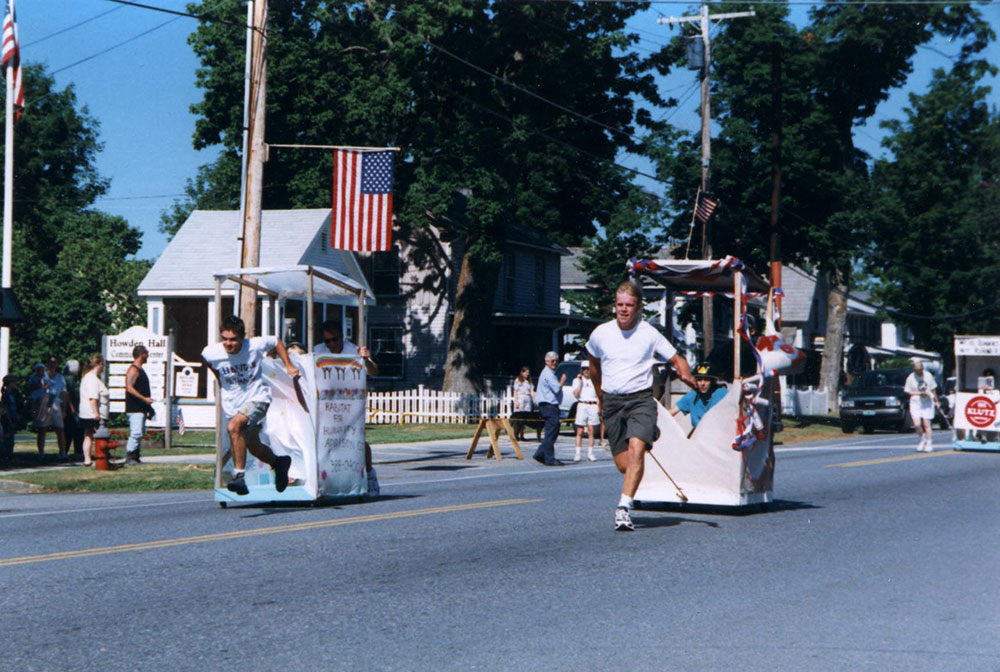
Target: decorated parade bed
{"points": [[728, 460], [318, 419]]}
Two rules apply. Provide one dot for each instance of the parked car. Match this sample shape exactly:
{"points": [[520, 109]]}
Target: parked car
{"points": [[876, 399]]}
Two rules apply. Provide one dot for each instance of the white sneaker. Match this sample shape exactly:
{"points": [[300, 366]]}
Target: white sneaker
{"points": [[576, 458], [920, 445], [591, 458], [623, 520], [928, 447]]}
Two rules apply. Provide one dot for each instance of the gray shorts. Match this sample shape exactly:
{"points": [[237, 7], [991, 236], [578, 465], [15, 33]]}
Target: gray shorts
{"points": [[627, 416], [255, 412]]}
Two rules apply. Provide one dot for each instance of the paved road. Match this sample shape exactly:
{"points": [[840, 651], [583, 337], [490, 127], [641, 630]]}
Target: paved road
{"points": [[874, 558]]}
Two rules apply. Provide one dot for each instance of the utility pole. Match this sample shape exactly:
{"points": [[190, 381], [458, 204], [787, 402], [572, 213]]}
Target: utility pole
{"points": [[254, 155], [776, 176], [703, 18]]}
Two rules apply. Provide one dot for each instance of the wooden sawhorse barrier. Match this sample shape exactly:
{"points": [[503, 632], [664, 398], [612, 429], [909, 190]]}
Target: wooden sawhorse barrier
{"points": [[493, 427]]}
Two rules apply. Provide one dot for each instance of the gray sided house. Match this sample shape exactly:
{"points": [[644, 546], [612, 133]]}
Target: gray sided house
{"points": [[415, 286]]}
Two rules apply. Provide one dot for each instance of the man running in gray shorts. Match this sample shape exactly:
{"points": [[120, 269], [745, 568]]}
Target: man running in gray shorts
{"points": [[236, 360], [622, 353]]}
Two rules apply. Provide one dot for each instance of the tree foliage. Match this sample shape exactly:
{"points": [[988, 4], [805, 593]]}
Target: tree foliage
{"points": [[72, 271], [936, 255]]}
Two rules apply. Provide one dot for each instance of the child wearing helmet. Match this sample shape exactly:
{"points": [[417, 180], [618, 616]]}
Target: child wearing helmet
{"points": [[697, 402]]}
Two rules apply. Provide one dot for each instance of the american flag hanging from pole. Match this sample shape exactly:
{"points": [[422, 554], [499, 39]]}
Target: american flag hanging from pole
{"points": [[362, 200], [11, 56], [706, 206]]}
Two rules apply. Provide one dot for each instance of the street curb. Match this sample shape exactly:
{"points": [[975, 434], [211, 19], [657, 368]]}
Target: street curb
{"points": [[17, 487]]}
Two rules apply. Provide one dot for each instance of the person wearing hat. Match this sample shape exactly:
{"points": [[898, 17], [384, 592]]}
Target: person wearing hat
{"points": [[586, 411], [708, 393]]}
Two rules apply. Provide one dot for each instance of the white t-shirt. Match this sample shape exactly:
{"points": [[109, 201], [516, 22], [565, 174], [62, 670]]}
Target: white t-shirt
{"points": [[627, 357], [240, 374], [348, 349], [924, 385], [584, 390], [91, 387]]}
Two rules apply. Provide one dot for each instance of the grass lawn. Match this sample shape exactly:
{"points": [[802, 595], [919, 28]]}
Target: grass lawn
{"points": [[808, 428], [139, 478]]}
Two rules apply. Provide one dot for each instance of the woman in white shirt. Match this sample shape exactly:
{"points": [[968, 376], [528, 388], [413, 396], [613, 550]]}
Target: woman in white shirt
{"points": [[91, 391]]}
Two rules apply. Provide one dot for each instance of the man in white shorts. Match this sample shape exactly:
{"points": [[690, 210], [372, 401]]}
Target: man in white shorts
{"points": [[236, 362], [920, 385], [622, 353], [587, 416]]}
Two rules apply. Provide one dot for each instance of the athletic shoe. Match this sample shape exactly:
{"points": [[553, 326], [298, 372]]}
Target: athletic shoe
{"points": [[591, 458], [623, 520], [281, 466], [238, 485], [373, 489], [576, 458], [132, 458]]}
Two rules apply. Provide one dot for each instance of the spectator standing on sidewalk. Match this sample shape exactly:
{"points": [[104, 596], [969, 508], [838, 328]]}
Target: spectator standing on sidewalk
{"points": [[549, 394], [57, 402], [138, 403], [622, 353], [334, 343], [74, 431], [91, 389], [10, 402], [586, 411]]}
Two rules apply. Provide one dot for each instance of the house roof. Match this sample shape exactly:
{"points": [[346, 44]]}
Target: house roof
{"points": [[800, 289], [571, 276], [209, 241]]}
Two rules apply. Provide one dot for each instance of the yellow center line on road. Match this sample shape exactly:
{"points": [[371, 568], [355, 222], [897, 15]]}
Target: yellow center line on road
{"points": [[902, 458], [223, 536]]}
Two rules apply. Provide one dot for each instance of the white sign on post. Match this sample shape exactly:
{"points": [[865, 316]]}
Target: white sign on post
{"points": [[186, 383], [118, 355]]}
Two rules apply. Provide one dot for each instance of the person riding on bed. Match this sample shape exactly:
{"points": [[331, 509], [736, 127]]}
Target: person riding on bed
{"points": [[697, 402]]}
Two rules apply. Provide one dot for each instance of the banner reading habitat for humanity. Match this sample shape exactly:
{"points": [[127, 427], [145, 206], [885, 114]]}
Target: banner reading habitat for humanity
{"points": [[318, 421], [340, 424]]}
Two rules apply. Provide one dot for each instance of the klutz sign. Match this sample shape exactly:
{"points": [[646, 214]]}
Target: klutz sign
{"points": [[977, 411]]}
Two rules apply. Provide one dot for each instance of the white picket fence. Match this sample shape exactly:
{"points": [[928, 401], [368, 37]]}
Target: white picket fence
{"points": [[434, 406]]}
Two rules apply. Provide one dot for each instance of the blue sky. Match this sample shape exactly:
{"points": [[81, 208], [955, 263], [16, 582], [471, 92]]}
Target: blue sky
{"points": [[141, 92]]}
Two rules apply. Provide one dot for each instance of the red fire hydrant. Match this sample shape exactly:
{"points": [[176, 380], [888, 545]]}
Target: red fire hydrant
{"points": [[104, 457]]}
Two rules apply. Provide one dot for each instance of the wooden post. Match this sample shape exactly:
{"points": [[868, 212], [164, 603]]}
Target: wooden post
{"points": [[250, 256], [168, 388], [360, 336], [737, 305], [310, 317], [218, 391]]}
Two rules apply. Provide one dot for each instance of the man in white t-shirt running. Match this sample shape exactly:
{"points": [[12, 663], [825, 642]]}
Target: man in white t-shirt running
{"points": [[334, 343], [236, 362], [622, 353]]}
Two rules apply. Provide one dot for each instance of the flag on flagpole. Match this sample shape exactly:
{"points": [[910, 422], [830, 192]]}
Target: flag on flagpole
{"points": [[11, 56], [362, 200], [706, 206]]}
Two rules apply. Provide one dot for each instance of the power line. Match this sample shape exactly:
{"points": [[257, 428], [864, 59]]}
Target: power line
{"points": [[764, 3], [69, 28], [115, 46]]}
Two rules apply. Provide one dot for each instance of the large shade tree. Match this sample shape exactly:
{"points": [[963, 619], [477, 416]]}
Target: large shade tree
{"points": [[519, 107], [74, 270], [834, 72], [937, 255]]}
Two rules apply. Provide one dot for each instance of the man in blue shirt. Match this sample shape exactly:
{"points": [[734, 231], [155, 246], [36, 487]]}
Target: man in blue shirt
{"points": [[549, 394], [697, 402]]}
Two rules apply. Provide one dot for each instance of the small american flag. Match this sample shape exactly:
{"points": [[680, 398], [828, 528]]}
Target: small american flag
{"points": [[12, 56], [362, 201], [179, 421], [705, 208]]}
